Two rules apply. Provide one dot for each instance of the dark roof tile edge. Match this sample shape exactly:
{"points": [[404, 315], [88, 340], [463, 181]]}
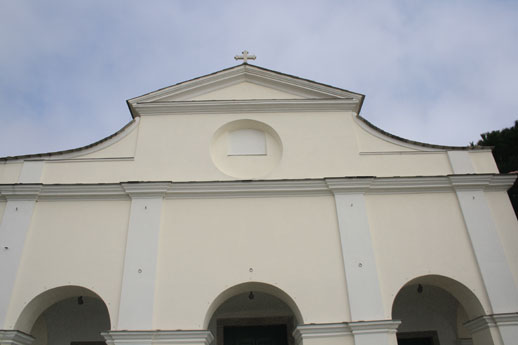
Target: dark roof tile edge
{"points": [[418, 143], [55, 153]]}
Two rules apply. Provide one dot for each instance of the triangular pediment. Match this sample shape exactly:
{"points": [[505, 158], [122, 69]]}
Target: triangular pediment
{"points": [[245, 82]]}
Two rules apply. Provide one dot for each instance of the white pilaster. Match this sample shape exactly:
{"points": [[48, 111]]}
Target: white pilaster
{"points": [[31, 172], [14, 226], [158, 337], [138, 282], [460, 162], [363, 287], [10, 337], [491, 259]]}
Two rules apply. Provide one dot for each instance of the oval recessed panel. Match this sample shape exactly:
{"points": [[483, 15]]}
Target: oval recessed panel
{"points": [[246, 149]]}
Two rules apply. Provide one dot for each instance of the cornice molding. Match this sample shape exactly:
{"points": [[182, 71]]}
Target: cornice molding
{"points": [[378, 326], [329, 330], [489, 321], [146, 190], [476, 182], [20, 191], [124, 337], [83, 192], [247, 189], [245, 106], [12, 337], [250, 73], [259, 188], [326, 330]]}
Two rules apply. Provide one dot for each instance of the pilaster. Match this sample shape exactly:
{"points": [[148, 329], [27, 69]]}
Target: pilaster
{"points": [[158, 337], [138, 282], [375, 332], [11, 337], [487, 247], [361, 274], [14, 227]]}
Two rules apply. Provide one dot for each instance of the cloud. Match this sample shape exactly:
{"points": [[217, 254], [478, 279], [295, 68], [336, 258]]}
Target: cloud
{"points": [[440, 72]]}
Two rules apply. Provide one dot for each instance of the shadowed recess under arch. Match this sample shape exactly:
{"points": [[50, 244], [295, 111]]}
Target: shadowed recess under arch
{"points": [[257, 287]]}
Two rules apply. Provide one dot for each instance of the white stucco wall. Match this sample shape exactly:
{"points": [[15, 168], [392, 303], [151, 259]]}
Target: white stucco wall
{"points": [[207, 246], [73, 243], [420, 234], [324, 144], [10, 171]]}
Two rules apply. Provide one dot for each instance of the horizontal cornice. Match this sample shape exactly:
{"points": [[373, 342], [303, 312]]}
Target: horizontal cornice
{"points": [[201, 337], [245, 106], [260, 188]]}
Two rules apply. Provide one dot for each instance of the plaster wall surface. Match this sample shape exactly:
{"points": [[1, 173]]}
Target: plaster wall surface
{"points": [[125, 147], [245, 90], [483, 162], [167, 150], [420, 234], [207, 246], [73, 243], [10, 171]]}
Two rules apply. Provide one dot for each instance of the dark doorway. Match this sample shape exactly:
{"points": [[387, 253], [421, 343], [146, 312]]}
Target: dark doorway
{"points": [[418, 338], [255, 335]]}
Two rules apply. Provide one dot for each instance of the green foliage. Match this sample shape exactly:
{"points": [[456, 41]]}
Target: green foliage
{"points": [[505, 151]]}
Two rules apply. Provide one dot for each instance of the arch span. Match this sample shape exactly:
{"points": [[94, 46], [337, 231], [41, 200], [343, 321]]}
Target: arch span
{"points": [[46, 299], [252, 286], [461, 292]]}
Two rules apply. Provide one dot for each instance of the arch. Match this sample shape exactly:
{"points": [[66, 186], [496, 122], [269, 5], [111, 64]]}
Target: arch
{"points": [[46, 299], [252, 286], [461, 292]]}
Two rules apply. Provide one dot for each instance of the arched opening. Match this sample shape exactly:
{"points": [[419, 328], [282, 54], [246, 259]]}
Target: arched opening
{"points": [[67, 315], [433, 310], [253, 313]]}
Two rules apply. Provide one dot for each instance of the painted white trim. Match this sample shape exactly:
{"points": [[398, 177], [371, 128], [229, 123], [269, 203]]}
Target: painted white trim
{"points": [[319, 331], [489, 253], [140, 259], [158, 337], [31, 171], [258, 188], [244, 106], [244, 72], [378, 326], [365, 330], [14, 225], [361, 274], [82, 160], [12, 337]]}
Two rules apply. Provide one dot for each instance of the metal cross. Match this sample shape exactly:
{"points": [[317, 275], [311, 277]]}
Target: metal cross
{"points": [[245, 57]]}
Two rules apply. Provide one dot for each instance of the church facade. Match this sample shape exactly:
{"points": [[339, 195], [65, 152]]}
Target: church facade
{"points": [[253, 207]]}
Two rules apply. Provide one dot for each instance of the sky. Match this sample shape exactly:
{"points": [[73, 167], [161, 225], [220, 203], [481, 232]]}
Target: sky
{"points": [[440, 72]]}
